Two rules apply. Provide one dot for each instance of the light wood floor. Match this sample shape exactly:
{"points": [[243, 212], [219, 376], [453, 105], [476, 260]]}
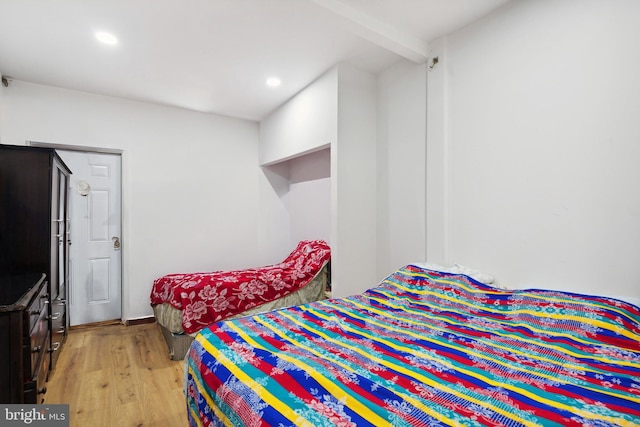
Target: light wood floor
{"points": [[118, 376]]}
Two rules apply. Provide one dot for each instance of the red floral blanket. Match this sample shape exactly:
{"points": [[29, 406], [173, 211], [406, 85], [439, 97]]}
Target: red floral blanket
{"points": [[206, 298]]}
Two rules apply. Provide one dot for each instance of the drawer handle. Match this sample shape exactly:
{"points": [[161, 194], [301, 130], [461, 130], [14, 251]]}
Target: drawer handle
{"points": [[43, 390], [35, 312], [55, 316], [56, 347], [36, 349]]}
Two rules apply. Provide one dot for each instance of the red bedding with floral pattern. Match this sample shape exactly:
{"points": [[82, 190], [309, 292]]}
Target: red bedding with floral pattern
{"points": [[206, 298]]}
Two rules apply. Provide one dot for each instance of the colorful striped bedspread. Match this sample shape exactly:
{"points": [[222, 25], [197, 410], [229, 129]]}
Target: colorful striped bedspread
{"points": [[423, 349]]}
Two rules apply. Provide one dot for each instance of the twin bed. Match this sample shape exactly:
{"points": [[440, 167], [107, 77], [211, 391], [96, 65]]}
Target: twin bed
{"points": [[183, 304], [423, 348]]}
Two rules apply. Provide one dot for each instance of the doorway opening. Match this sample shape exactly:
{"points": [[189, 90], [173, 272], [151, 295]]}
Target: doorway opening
{"points": [[95, 212]]}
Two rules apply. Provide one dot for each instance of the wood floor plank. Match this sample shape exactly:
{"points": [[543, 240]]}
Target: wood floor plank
{"points": [[118, 375]]}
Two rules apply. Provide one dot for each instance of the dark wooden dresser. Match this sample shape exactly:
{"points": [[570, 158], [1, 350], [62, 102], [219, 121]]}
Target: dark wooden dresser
{"points": [[24, 338], [34, 237]]}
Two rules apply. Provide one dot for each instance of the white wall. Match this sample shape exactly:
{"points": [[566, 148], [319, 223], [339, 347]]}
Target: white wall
{"points": [[401, 137], [542, 100], [190, 180], [275, 218], [304, 124], [339, 110], [290, 139], [310, 196], [354, 184], [437, 225], [296, 201]]}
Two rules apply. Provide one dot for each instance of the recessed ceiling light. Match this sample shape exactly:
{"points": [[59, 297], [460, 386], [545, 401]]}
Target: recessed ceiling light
{"points": [[273, 82], [106, 38]]}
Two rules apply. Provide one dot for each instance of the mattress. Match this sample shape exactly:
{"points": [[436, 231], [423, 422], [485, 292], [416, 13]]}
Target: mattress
{"points": [[422, 348], [178, 342], [208, 297]]}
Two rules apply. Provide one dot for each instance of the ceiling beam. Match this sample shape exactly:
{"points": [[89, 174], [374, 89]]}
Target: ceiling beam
{"points": [[378, 32]]}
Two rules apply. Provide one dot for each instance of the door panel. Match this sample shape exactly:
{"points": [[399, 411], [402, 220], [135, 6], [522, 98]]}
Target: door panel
{"points": [[98, 217], [95, 285], [99, 280]]}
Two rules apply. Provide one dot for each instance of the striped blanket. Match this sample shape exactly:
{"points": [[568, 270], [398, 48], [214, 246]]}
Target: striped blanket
{"points": [[423, 348]]}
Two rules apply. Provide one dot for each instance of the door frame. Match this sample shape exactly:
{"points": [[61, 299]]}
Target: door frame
{"points": [[99, 150]]}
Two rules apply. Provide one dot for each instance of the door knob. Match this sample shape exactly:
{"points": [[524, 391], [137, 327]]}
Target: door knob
{"points": [[116, 243]]}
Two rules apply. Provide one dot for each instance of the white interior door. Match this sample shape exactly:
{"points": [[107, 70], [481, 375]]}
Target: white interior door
{"points": [[95, 255]]}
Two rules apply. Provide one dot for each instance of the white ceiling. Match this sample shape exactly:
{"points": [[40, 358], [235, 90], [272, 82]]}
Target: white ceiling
{"points": [[215, 55]]}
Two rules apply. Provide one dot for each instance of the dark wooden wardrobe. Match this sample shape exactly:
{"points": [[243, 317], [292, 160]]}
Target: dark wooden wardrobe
{"points": [[34, 269]]}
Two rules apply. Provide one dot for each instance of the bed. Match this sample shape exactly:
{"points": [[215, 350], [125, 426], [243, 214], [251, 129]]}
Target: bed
{"points": [[423, 348], [183, 304]]}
